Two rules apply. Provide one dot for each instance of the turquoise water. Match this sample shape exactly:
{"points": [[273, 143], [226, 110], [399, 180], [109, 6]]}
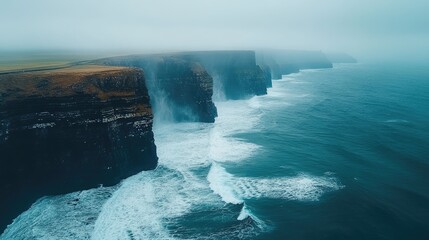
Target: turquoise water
{"points": [[337, 153], [368, 126]]}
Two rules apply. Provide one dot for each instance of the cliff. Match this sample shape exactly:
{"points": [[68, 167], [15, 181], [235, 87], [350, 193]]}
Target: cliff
{"points": [[235, 73], [230, 74], [180, 89], [282, 62], [267, 75], [71, 129]]}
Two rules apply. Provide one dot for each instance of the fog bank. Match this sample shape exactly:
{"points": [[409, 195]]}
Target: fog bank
{"points": [[366, 29]]}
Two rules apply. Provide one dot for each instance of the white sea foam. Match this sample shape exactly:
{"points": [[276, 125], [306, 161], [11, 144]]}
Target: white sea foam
{"points": [[234, 117], [221, 184], [183, 145], [236, 189], [311, 70], [69, 216], [143, 205], [396, 121], [298, 82], [244, 213], [281, 95]]}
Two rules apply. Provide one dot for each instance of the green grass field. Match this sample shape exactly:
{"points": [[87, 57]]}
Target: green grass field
{"points": [[25, 61]]}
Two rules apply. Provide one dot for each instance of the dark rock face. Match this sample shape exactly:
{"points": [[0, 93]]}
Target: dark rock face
{"points": [[235, 72], [191, 87], [180, 89], [69, 130], [267, 75], [282, 62]]}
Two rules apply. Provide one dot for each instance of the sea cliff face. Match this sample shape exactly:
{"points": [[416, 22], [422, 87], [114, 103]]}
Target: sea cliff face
{"points": [[71, 129], [282, 62], [180, 89], [189, 84], [236, 74], [267, 75], [230, 74]]}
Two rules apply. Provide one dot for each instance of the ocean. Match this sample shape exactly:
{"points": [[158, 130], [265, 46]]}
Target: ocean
{"points": [[339, 153]]}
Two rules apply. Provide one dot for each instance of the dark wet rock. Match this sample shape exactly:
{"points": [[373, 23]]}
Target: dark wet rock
{"points": [[71, 129]]}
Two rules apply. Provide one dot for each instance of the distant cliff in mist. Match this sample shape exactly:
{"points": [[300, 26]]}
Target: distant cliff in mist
{"points": [[282, 62], [236, 74], [71, 129]]}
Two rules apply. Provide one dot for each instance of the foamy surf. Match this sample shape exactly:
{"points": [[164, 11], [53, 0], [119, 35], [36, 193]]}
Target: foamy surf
{"points": [[142, 207], [221, 184], [69, 216], [151, 204], [237, 189], [396, 121]]}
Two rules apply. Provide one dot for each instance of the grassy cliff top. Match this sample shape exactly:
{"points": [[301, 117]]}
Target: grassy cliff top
{"points": [[100, 81]]}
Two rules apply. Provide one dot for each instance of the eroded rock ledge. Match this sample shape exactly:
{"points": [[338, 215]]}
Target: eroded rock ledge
{"points": [[71, 129]]}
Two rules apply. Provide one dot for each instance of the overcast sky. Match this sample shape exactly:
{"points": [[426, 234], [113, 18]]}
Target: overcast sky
{"points": [[385, 27]]}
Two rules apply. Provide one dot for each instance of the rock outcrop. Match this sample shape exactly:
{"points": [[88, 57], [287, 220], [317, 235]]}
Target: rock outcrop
{"points": [[71, 129], [282, 62], [180, 89]]}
